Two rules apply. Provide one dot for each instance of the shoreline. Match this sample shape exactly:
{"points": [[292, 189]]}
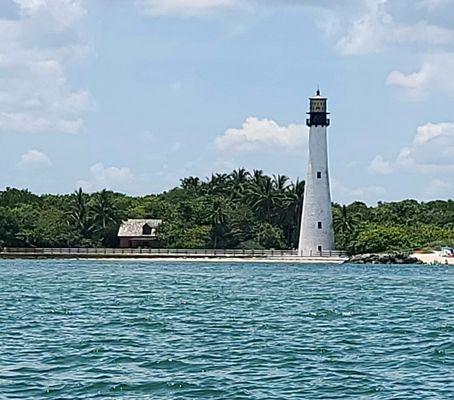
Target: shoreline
{"points": [[433, 258], [173, 255], [427, 259], [234, 260], [185, 259]]}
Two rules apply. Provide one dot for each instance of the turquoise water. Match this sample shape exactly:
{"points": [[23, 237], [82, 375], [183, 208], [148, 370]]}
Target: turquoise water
{"points": [[134, 330]]}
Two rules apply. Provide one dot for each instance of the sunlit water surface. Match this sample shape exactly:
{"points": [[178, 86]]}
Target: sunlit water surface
{"points": [[136, 330]]}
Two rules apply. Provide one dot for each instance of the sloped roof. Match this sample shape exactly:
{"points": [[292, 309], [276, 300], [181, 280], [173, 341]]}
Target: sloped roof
{"points": [[133, 227]]}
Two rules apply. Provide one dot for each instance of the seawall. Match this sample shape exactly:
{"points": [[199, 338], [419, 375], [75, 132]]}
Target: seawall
{"points": [[282, 256]]}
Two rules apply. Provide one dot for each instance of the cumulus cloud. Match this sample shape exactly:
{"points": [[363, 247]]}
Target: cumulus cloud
{"points": [[113, 178], [429, 132], [377, 29], [35, 48], [263, 134], [34, 160], [432, 152], [435, 74], [185, 7]]}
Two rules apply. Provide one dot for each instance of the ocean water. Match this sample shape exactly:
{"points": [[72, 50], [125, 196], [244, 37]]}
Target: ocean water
{"points": [[137, 330]]}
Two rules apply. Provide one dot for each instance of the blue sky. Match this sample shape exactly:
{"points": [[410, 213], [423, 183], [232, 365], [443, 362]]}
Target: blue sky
{"points": [[134, 95]]}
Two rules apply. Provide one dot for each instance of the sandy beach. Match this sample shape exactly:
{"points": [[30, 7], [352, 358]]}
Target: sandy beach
{"points": [[434, 258]]}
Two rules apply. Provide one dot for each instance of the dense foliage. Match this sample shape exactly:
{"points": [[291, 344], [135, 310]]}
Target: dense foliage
{"points": [[237, 210], [394, 226]]}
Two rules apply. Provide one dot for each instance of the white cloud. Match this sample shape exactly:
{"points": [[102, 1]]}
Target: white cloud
{"points": [[357, 26], [23, 122], [263, 134], [414, 80], [185, 7], [435, 74], [377, 29], [34, 160], [366, 33], [64, 12], [432, 152], [380, 166], [428, 132], [35, 49], [113, 178]]}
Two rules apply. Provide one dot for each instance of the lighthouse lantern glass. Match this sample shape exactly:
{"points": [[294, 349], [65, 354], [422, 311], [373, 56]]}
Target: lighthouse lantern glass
{"points": [[318, 105]]}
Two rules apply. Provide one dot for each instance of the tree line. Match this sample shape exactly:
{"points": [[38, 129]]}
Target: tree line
{"points": [[245, 210]]}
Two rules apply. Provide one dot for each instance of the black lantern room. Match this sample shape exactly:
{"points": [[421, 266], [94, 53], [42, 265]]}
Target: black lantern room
{"points": [[318, 116]]}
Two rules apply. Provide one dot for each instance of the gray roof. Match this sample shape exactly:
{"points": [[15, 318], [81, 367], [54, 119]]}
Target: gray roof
{"points": [[133, 227]]}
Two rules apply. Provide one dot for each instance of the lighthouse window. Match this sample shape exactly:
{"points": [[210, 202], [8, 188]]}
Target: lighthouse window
{"points": [[319, 175], [319, 225], [320, 249]]}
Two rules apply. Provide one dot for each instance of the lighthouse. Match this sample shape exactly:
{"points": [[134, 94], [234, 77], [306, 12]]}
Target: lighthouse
{"points": [[316, 232]]}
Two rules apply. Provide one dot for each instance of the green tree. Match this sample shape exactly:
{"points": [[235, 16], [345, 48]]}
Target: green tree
{"points": [[176, 235], [9, 228], [12, 197], [263, 197], [345, 224], [237, 210], [191, 183], [79, 214], [293, 208], [239, 179], [375, 239], [218, 217], [269, 236], [104, 210]]}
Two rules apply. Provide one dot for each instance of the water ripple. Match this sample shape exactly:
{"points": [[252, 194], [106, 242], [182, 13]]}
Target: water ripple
{"points": [[135, 330]]}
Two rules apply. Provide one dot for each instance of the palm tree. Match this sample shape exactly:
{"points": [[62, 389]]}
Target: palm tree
{"points": [[218, 217], [238, 181], [218, 184], [257, 176], [190, 183], [240, 176], [105, 211], [280, 182], [343, 221], [263, 197], [293, 203], [79, 213]]}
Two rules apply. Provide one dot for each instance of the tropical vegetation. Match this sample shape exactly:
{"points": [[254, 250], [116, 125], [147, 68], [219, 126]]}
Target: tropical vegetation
{"points": [[244, 210]]}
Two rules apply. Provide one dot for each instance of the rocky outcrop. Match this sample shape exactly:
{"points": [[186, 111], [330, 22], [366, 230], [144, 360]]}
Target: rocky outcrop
{"points": [[383, 259]]}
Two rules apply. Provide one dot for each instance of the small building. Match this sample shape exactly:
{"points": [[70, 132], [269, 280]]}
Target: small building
{"points": [[134, 233]]}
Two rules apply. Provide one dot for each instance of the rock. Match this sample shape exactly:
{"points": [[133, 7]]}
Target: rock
{"points": [[383, 259]]}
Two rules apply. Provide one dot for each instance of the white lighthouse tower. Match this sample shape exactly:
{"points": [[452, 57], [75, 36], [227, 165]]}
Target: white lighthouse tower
{"points": [[316, 234]]}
